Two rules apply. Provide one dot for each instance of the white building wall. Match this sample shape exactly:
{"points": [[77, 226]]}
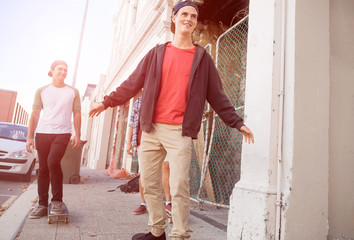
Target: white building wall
{"points": [[302, 128], [341, 154], [305, 179], [86, 126], [148, 30], [252, 206], [98, 133], [85, 121]]}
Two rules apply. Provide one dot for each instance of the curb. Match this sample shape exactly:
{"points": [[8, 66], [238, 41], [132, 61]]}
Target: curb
{"points": [[13, 218]]}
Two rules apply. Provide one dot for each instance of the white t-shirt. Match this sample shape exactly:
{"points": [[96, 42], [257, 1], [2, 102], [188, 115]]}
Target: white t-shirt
{"points": [[57, 104]]}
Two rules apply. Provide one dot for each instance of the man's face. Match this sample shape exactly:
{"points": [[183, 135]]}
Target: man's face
{"points": [[60, 71], [186, 20]]}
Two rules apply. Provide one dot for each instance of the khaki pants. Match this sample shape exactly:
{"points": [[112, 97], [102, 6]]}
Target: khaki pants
{"points": [[164, 139]]}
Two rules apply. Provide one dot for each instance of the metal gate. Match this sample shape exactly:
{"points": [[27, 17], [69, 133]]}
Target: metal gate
{"points": [[216, 159]]}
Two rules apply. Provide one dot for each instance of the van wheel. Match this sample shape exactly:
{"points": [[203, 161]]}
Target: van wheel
{"points": [[75, 179]]}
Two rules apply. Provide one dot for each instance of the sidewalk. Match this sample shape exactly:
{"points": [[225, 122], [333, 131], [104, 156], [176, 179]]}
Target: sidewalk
{"points": [[98, 214]]}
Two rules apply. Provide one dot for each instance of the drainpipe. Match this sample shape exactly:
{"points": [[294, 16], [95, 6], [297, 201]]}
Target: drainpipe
{"points": [[281, 119]]}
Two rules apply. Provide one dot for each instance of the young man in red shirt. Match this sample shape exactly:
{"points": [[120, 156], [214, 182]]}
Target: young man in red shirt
{"points": [[177, 78]]}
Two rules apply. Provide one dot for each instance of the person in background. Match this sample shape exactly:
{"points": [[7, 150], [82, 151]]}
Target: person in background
{"points": [[53, 132], [177, 78], [133, 141]]}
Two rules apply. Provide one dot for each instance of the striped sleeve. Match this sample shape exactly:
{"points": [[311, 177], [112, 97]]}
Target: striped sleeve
{"points": [[77, 102], [37, 103]]}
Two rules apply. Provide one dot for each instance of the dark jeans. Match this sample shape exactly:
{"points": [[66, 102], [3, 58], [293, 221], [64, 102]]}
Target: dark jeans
{"points": [[51, 149]]}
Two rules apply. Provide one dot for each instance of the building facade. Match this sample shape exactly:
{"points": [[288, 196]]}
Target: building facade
{"points": [[298, 100], [12, 108]]}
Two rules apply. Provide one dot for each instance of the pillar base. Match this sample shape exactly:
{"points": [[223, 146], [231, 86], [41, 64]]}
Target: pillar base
{"points": [[252, 212]]}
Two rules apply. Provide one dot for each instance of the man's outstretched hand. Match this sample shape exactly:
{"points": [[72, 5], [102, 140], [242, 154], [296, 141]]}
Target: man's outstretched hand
{"points": [[96, 109], [247, 134]]}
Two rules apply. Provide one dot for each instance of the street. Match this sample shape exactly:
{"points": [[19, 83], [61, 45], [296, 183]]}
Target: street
{"points": [[10, 188]]}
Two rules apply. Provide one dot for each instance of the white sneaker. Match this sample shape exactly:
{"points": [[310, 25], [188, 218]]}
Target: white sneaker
{"points": [[57, 208]]}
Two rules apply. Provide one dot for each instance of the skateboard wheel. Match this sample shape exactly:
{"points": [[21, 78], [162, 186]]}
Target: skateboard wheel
{"points": [[75, 179], [189, 229], [48, 221], [66, 220]]}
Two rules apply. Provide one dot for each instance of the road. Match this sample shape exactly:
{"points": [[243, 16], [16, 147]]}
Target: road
{"points": [[10, 188]]}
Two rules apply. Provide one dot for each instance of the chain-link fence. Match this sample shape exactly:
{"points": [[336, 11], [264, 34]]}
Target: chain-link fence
{"points": [[216, 160]]}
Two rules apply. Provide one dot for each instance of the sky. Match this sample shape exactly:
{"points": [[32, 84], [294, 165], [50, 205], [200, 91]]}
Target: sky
{"points": [[34, 33]]}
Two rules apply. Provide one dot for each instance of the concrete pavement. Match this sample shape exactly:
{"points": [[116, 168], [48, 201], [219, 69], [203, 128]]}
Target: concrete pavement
{"points": [[98, 214]]}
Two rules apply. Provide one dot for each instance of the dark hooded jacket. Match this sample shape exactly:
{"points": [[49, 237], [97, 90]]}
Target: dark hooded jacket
{"points": [[205, 84]]}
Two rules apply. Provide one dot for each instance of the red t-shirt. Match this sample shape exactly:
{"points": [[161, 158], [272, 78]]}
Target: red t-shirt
{"points": [[176, 68]]}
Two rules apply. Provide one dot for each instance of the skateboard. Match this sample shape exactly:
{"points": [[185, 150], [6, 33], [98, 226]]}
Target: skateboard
{"points": [[63, 217]]}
